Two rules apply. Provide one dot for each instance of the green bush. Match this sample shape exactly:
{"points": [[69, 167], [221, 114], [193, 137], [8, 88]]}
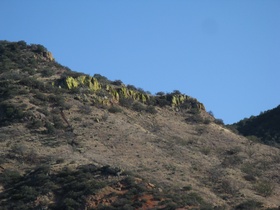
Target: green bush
{"points": [[219, 121], [264, 188], [117, 82], [35, 124], [40, 96], [137, 106], [114, 109], [151, 109], [162, 101], [103, 80], [126, 102], [249, 205], [232, 161], [85, 109], [195, 118], [10, 113], [58, 122], [9, 177], [250, 169], [47, 72], [49, 128]]}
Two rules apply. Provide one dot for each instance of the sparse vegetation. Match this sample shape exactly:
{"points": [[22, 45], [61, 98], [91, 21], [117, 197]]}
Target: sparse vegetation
{"points": [[49, 130]]}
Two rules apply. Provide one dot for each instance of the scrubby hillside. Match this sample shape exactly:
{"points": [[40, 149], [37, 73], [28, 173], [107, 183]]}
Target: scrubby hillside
{"points": [[72, 141], [264, 127]]}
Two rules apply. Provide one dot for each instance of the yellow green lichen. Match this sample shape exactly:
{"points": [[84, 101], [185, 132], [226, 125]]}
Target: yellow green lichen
{"points": [[71, 82]]}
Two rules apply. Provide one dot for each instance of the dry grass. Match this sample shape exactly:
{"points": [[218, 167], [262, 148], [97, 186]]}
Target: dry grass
{"points": [[160, 147]]}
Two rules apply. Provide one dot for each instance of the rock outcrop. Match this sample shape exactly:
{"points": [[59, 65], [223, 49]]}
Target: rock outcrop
{"points": [[117, 92]]}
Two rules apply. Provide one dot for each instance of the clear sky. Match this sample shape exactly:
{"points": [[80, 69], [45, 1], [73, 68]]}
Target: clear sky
{"points": [[224, 53]]}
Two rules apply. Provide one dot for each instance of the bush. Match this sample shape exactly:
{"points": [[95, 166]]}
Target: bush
{"points": [[29, 70], [85, 109], [151, 109], [126, 102], [250, 169], [101, 79], [35, 124], [9, 177], [117, 82], [162, 101], [264, 188], [131, 87], [10, 113], [114, 109], [249, 205], [161, 93], [137, 106], [32, 83], [231, 161], [47, 72], [50, 128], [194, 119], [219, 121], [40, 96], [58, 123]]}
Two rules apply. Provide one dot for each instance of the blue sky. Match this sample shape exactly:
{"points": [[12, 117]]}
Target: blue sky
{"points": [[224, 53]]}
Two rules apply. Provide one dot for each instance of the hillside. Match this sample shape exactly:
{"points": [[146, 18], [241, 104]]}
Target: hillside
{"points": [[73, 141], [264, 127]]}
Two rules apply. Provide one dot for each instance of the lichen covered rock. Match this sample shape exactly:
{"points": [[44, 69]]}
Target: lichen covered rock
{"points": [[115, 93]]}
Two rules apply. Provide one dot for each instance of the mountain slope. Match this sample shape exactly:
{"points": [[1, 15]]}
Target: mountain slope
{"points": [[135, 150], [265, 126]]}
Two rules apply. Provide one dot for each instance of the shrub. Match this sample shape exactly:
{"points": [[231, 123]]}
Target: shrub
{"points": [[131, 87], [40, 96], [176, 92], [117, 82], [162, 101], [8, 177], [228, 187], [47, 72], [29, 70], [35, 124], [231, 161], [194, 111], [264, 188], [194, 119], [137, 106], [211, 113], [114, 109], [101, 79], [58, 123], [205, 150], [10, 113], [249, 205], [151, 109], [126, 102], [85, 109], [219, 121], [250, 178], [50, 128], [32, 83], [250, 169], [105, 116], [161, 93]]}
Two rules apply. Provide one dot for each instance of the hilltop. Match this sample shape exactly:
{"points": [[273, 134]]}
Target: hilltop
{"points": [[74, 141], [264, 128]]}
